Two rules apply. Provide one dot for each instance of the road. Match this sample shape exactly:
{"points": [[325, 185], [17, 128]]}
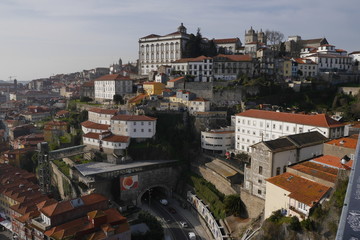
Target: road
{"points": [[171, 221]]}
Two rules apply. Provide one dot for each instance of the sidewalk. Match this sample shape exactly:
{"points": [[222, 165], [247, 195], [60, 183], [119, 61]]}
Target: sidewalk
{"points": [[202, 232]]}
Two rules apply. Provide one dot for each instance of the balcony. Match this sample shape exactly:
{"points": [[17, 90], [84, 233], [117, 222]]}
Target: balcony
{"points": [[301, 214]]}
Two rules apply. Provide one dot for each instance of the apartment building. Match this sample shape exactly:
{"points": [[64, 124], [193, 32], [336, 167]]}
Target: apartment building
{"points": [[100, 115], [113, 84], [253, 126], [133, 126]]}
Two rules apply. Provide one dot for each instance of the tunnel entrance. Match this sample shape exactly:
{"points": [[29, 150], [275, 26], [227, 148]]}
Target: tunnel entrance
{"points": [[155, 193]]}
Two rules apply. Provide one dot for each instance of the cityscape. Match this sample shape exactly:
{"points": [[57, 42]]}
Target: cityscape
{"points": [[248, 136]]}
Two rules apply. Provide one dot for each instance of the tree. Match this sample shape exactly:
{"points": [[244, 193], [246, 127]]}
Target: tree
{"points": [[118, 99], [274, 39], [234, 205]]}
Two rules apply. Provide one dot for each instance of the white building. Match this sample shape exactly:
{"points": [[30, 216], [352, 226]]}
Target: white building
{"points": [[200, 68], [134, 126], [89, 126], [228, 45], [253, 126], [328, 58], [156, 50], [217, 140], [101, 115], [106, 142], [293, 195], [198, 105], [109, 85]]}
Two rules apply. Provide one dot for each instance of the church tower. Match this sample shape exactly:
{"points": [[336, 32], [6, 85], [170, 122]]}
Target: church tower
{"points": [[250, 36], [261, 37]]}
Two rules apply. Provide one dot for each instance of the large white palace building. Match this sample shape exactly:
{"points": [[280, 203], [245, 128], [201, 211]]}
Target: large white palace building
{"points": [[156, 50]]}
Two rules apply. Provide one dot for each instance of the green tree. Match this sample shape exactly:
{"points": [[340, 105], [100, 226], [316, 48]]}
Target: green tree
{"points": [[118, 99], [234, 205]]}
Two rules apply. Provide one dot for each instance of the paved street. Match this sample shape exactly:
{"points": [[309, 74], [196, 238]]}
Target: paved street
{"points": [[171, 221]]}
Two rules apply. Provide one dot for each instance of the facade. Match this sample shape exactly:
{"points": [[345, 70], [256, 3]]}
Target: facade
{"points": [[229, 67], [88, 90], [199, 105], [133, 126], [217, 141], [109, 85], [293, 195], [152, 88], [253, 126], [228, 45], [200, 68], [106, 142], [271, 158], [306, 68], [156, 50], [89, 126], [100, 115]]}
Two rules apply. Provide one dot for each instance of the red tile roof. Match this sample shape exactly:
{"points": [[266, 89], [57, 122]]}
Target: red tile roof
{"points": [[66, 206], [117, 138], [319, 120], [103, 111], [300, 189], [137, 98], [133, 118], [197, 59], [112, 77], [236, 58], [333, 161], [317, 170], [89, 84], [345, 142], [152, 36], [176, 79], [89, 124], [226, 40]]}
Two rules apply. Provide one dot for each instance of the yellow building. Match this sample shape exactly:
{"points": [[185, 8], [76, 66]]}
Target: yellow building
{"points": [[153, 88]]}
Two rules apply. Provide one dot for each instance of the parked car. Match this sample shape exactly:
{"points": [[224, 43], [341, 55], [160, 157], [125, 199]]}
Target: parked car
{"points": [[164, 202], [172, 210]]}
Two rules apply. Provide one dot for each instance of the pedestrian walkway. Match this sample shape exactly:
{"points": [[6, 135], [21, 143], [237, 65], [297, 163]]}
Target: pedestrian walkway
{"points": [[201, 232]]}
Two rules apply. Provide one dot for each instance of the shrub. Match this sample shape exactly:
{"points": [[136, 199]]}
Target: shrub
{"points": [[295, 224]]}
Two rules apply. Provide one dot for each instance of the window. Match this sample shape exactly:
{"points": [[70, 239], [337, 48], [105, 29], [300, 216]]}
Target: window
{"points": [[260, 181], [278, 171], [134, 130], [142, 130], [134, 123], [259, 191], [149, 130], [260, 170], [284, 169]]}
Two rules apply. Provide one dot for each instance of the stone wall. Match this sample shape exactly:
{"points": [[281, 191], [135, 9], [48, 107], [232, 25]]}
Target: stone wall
{"points": [[254, 205], [59, 179]]}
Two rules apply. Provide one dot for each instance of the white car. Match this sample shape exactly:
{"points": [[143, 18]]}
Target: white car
{"points": [[164, 202], [192, 236]]}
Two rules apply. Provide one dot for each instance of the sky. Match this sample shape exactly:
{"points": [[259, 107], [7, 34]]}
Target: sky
{"points": [[41, 38]]}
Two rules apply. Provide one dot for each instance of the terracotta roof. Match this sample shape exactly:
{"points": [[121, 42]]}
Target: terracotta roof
{"points": [[89, 124], [226, 40], [103, 111], [112, 77], [355, 52], [221, 132], [62, 112], [236, 58], [176, 79], [345, 142], [333, 161], [81, 226], [117, 138], [303, 61], [137, 98], [92, 135], [66, 206], [89, 84], [152, 36], [197, 59], [317, 170], [133, 118], [319, 120], [327, 45], [152, 83], [300, 189]]}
